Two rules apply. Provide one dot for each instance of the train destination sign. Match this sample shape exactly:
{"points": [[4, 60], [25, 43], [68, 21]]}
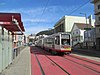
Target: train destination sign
{"points": [[65, 36]]}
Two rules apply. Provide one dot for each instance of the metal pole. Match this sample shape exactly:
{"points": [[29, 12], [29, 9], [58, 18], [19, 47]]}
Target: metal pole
{"points": [[87, 31], [86, 18], [87, 27]]}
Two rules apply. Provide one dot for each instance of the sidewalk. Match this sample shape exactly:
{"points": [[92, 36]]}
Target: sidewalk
{"points": [[21, 65], [90, 52]]}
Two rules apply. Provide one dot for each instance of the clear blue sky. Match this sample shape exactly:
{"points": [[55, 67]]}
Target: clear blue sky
{"points": [[31, 11]]}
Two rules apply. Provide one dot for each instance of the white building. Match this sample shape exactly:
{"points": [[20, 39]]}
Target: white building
{"points": [[77, 32], [66, 23]]}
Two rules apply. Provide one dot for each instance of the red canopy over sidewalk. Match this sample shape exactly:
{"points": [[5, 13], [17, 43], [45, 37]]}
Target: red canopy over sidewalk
{"points": [[6, 20]]}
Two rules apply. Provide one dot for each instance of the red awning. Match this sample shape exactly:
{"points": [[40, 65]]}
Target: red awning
{"points": [[6, 21]]}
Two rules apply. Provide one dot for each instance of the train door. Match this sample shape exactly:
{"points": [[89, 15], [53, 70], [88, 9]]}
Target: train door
{"points": [[57, 42], [0, 48]]}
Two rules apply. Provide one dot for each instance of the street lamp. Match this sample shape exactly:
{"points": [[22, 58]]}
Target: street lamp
{"points": [[85, 16]]}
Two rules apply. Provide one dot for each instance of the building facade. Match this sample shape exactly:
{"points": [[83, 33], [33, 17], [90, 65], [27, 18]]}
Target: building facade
{"points": [[90, 38], [77, 32], [5, 48], [7, 37], [66, 23], [97, 23], [18, 40]]}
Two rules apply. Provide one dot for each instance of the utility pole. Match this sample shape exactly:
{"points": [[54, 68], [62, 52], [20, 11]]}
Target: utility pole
{"points": [[86, 28]]}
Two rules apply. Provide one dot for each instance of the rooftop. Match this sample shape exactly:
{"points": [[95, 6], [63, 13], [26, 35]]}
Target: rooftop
{"points": [[83, 25]]}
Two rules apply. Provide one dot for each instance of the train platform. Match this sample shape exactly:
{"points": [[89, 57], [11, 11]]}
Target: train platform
{"points": [[21, 65]]}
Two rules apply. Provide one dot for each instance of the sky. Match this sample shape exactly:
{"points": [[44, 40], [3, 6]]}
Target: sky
{"points": [[39, 15]]}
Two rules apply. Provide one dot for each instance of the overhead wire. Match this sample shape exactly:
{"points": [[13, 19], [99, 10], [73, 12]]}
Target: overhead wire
{"points": [[63, 9], [73, 10], [79, 7], [43, 11]]}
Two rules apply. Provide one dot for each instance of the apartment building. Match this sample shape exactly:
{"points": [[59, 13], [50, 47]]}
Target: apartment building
{"points": [[77, 32], [97, 23], [90, 40], [66, 23]]}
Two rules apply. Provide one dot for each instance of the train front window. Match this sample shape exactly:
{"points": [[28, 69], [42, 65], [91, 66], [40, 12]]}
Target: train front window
{"points": [[65, 41]]}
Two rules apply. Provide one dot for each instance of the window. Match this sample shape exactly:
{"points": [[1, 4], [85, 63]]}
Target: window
{"points": [[77, 32], [81, 37], [98, 18], [65, 41], [99, 6], [49, 41], [99, 29]]}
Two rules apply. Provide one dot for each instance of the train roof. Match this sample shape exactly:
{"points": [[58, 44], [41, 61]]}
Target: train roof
{"points": [[61, 33], [55, 34]]}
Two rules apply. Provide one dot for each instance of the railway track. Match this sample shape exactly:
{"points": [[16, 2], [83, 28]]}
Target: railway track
{"points": [[55, 61], [82, 65], [84, 59], [42, 71], [58, 66]]}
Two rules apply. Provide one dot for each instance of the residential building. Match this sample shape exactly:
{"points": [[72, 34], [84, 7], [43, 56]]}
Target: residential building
{"points": [[90, 38], [77, 32], [19, 40], [97, 23], [66, 23], [31, 38]]}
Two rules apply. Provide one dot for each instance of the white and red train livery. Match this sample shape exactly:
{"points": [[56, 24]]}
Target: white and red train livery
{"points": [[56, 43]]}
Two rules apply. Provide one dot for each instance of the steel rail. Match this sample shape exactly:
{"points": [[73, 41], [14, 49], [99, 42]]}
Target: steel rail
{"points": [[85, 60], [40, 65], [56, 63], [81, 64]]}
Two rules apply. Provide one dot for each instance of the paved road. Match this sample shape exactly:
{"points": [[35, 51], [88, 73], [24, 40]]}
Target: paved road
{"points": [[87, 52]]}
